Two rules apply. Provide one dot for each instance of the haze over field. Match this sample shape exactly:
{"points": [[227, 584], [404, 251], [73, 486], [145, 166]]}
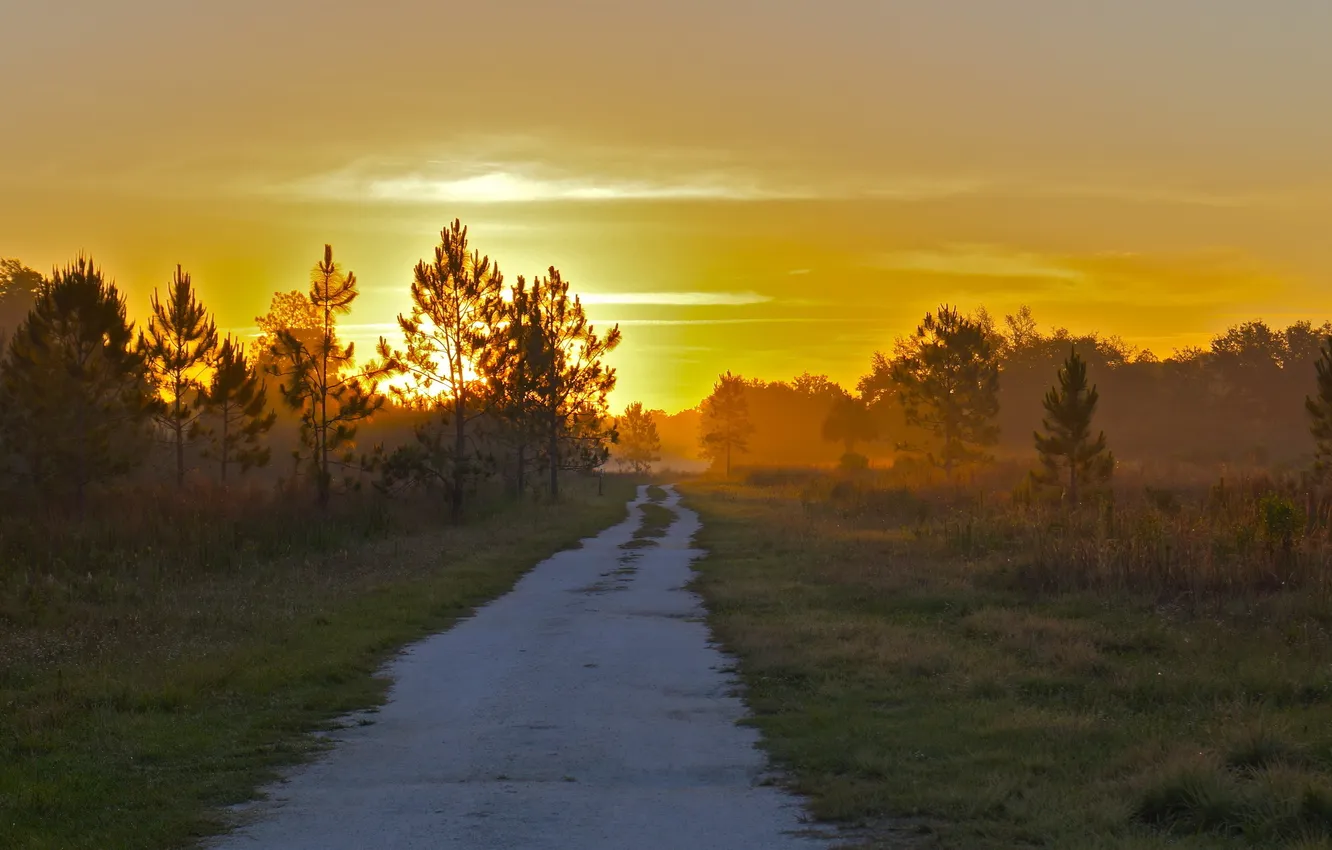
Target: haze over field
{"points": [[764, 187]]}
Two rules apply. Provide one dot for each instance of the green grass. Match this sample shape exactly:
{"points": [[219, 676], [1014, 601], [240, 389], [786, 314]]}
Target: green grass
{"points": [[128, 725], [656, 520], [925, 696]]}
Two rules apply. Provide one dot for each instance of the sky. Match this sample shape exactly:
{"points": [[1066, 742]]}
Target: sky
{"points": [[761, 186]]}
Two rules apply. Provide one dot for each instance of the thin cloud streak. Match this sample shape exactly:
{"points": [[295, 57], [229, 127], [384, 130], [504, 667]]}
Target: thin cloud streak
{"points": [[676, 299], [776, 320], [979, 261], [520, 171]]}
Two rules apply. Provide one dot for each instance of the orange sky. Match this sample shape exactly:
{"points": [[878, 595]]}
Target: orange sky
{"points": [[766, 187]]}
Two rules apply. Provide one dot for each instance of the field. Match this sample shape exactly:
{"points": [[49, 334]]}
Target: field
{"points": [[939, 670], [161, 666]]}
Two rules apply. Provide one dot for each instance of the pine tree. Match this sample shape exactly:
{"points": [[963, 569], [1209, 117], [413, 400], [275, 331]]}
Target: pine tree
{"points": [[639, 443], [74, 392], [509, 364], [571, 378], [1069, 456], [236, 404], [177, 348], [724, 427], [453, 305], [319, 381], [947, 375], [1319, 408]]}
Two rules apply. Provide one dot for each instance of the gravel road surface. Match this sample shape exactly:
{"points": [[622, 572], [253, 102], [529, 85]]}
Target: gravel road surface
{"points": [[586, 709]]}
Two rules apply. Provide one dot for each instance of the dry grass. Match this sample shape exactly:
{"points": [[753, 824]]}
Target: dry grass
{"points": [[1254, 536], [918, 677], [168, 676]]}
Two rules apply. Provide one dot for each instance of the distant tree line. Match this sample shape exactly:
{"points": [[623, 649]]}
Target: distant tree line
{"points": [[498, 381], [963, 388]]}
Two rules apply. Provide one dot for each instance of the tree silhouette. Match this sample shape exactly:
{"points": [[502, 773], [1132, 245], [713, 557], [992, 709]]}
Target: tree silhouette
{"points": [[948, 377], [318, 381], [236, 402], [850, 422], [290, 311], [1069, 456], [19, 286], [177, 348], [74, 393], [640, 445], [294, 313], [725, 427], [511, 364], [572, 380], [453, 303], [1319, 408]]}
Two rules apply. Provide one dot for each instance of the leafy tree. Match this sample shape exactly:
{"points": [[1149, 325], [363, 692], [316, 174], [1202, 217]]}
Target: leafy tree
{"points": [[948, 378], [1319, 408], [817, 387], [19, 286], [640, 445], [236, 404], [453, 303], [291, 312], [850, 422], [571, 378], [725, 427], [1069, 456], [1248, 358], [74, 393], [318, 380], [177, 348]]}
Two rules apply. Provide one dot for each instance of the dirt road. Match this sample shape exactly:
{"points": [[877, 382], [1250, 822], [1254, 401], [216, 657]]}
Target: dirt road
{"points": [[585, 710]]}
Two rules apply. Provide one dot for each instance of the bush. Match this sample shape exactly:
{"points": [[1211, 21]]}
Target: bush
{"points": [[853, 462]]}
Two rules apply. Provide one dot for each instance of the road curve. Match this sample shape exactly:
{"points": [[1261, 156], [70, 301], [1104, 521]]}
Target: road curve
{"points": [[586, 709]]}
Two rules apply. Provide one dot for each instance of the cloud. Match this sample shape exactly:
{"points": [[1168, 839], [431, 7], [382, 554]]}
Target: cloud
{"points": [[980, 261], [520, 169], [518, 179], [531, 169], [676, 299], [1108, 278], [754, 320]]}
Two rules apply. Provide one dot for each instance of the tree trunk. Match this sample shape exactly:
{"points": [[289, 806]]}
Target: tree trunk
{"points": [[225, 445], [948, 449], [322, 437], [180, 455], [522, 467], [178, 429], [728, 459], [554, 449], [459, 448], [321, 454], [1073, 481]]}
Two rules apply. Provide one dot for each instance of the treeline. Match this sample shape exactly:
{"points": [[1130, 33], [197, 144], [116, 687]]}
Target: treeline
{"points": [[1240, 402], [489, 381]]}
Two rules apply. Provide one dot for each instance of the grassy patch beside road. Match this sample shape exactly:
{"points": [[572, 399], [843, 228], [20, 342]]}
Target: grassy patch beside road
{"points": [[136, 736], [925, 696]]}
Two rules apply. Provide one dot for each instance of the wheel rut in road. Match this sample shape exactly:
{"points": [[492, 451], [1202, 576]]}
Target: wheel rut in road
{"points": [[586, 709]]}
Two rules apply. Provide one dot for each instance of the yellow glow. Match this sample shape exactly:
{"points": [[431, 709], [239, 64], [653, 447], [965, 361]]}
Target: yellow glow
{"points": [[731, 208]]}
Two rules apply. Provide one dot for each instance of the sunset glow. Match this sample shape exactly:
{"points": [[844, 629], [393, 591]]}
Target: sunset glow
{"points": [[786, 187]]}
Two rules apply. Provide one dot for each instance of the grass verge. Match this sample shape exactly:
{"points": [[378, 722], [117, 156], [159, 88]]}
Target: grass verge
{"points": [[656, 521], [137, 736], [929, 699]]}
